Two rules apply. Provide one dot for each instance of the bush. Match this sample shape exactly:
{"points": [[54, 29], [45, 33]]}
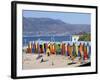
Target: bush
{"points": [[85, 37]]}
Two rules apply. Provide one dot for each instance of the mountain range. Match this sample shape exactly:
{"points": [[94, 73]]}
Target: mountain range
{"points": [[48, 26]]}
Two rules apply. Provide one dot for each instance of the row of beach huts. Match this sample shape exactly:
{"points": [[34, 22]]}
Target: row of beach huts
{"points": [[72, 49]]}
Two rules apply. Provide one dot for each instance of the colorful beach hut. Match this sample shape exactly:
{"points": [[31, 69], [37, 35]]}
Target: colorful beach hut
{"points": [[85, 52], [69, 50], [58, 49], [45, 47], [29, 49], [41, 48], [75, 50], [63, 51], [81, 49], [88, 50], [48, 51]]}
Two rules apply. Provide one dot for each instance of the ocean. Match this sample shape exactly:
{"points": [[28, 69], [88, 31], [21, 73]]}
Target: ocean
{"points": [[26, 40], [68, 39]]}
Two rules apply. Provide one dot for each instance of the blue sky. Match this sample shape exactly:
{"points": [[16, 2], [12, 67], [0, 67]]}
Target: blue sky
{"points": [[68, 17]]}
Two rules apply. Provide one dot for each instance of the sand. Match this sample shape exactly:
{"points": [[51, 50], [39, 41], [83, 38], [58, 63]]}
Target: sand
{"points": [[30, 61]]}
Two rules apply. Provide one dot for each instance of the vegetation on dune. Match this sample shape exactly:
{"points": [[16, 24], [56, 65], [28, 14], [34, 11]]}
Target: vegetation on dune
{"points": [[85, 37]]}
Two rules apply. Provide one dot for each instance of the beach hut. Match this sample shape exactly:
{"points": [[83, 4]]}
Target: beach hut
{"points": [[54, 48], [63, 51], [29, 49], [51, 46], [75, 50], [66, 50], [76, 47], [41, 48], [70, 50], [33, 48], [85, 52], [89, 55], [37, 47], [81, 49], [58, 49], [79, 54], [45, 47], [48, 51], [88, 50]]}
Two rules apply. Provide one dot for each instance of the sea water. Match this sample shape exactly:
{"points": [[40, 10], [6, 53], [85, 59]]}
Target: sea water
{"points": [[66, 39], [26, 40]]}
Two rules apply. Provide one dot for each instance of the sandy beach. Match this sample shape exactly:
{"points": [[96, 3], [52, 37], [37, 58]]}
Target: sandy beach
{"points": [[30, 61]]}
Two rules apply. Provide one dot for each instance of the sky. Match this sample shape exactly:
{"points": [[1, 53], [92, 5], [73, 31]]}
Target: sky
{"points": [[67, 17]]}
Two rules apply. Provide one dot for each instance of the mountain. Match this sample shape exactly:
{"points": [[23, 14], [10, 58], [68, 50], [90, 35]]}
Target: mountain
{"points": [[48, 26]]}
